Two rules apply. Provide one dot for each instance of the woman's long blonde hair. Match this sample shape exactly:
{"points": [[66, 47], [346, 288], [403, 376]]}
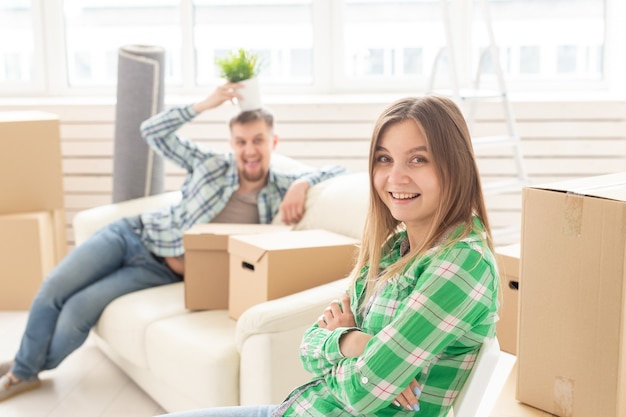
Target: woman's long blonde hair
{"points": [[451, 148]]}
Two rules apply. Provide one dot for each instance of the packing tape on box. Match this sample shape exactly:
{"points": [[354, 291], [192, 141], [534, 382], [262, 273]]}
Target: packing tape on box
{"points": [[137, 171], [564, 397], [573, 214]]}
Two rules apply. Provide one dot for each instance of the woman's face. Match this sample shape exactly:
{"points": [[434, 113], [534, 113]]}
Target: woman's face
{"points": [[405, 177]]}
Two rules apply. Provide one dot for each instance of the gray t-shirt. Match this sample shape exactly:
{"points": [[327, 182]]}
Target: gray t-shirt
{"points": [[241, 208]]}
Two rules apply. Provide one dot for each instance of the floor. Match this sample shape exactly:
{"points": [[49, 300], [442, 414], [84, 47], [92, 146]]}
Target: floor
{"points": [[507, 406], [87, 384]]}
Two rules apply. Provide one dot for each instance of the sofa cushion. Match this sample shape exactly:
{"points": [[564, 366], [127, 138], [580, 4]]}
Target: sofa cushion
{"points": [[195, 354], [339, 205], [124, 322]]}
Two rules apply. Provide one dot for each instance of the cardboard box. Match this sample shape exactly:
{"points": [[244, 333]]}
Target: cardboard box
{"points": [[266, 267], [508, 258], [572, 342], [31, 175], [30, 162], [26, 256], [207, 262]]}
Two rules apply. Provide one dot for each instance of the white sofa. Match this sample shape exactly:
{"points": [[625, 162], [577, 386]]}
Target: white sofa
{"points": [[186, 360]]}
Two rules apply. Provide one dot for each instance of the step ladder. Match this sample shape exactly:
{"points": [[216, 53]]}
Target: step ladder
{"points": [[467, 98]]}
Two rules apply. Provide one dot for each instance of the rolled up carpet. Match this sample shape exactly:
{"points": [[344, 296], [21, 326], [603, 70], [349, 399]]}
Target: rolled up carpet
{"points": [[137, 171]]}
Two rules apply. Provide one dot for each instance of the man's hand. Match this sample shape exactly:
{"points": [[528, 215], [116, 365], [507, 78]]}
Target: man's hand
{"points": [[221, 94], [292, 207]]}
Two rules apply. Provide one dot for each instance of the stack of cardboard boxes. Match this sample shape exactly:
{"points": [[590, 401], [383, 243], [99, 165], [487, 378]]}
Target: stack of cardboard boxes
{"points": [[207, 262], [230, 266], [32, 214]]}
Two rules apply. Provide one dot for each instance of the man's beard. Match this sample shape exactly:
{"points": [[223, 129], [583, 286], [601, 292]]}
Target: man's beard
{"points": [[254, 176]]}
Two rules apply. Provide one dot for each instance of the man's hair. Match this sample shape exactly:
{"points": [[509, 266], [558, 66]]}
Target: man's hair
{"points": [[249, 116]]}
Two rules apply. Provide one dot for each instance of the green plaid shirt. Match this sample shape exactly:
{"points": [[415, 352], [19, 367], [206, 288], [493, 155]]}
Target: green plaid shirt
{"points": [[427, 324]]}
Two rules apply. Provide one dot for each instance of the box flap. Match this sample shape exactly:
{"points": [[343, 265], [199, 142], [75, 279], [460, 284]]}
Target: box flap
{"points": [[610, 186], [254, 247], [214, 236], [245, 249]]}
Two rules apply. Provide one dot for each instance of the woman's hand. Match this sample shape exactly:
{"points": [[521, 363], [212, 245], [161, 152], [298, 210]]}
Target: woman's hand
{"points": [[337, 314], [408, 399]]}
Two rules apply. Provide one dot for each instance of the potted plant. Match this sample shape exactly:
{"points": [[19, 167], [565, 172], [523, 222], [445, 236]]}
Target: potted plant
{"points": [[242, 66]]}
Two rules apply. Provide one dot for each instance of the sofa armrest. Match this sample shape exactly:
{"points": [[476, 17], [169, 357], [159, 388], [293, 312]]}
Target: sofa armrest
{"points": [[268, 337], [88, 221], [285, 313]]}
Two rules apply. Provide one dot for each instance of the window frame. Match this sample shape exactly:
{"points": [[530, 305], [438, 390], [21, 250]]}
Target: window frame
{"points": [[50, 61]]}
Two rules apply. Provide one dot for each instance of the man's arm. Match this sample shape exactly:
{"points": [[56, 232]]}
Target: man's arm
{"points": [[293, 203], [159, 131]]}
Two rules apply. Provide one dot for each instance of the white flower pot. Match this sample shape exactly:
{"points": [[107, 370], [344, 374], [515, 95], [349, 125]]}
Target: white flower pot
{"points": [[250, 95]]}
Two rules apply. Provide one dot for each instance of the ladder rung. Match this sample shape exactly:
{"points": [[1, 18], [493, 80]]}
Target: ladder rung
{"points": [[473, 94], [500, 140]]}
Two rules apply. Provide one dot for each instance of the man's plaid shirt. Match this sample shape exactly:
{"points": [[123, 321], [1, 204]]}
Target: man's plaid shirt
{"points": [[211, 180], [427, 324]]}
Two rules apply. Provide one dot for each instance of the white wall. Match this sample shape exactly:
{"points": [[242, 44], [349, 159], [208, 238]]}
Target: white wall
{"points": [[560, 140]]}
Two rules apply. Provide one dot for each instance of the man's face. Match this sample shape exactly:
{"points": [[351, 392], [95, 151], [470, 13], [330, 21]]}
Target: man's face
{"points": [[252, 144]]}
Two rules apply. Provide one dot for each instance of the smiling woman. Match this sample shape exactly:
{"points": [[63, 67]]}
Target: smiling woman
{"points": [[424, 292]]}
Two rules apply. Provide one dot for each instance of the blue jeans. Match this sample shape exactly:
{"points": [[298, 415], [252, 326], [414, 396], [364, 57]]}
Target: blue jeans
{"points": [[111, 263], [241, 411]]}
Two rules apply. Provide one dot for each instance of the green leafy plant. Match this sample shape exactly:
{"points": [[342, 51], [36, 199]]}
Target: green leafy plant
{"points": [[239, 65]]}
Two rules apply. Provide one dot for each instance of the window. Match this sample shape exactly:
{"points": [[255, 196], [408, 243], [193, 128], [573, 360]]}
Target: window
{"points": [[308, 46], [96, 29], [551, 38], [281, 32], [17, 46]]}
